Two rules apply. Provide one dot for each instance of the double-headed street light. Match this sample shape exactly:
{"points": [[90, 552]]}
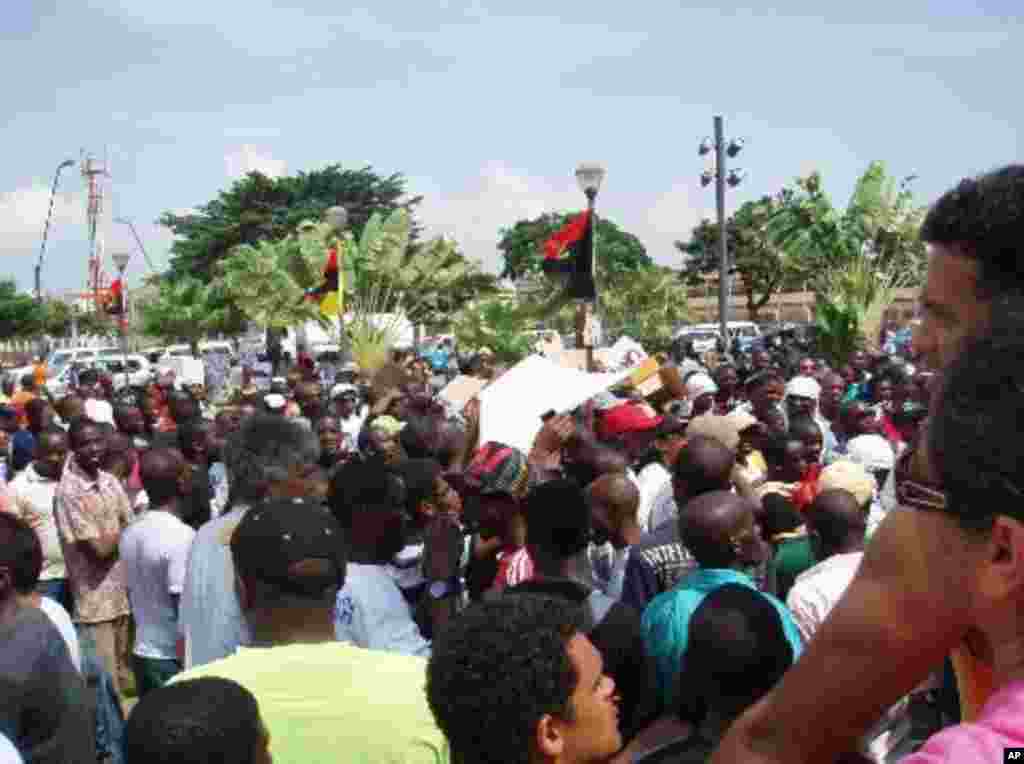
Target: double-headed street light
{"points": [[718, 173]]}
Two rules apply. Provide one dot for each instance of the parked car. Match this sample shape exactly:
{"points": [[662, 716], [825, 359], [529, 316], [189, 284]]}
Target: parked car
{"points": [[132, 370], [704, 338]]}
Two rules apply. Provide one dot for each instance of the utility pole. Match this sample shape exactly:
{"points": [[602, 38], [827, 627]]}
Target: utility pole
{"points": [[718, 173]]}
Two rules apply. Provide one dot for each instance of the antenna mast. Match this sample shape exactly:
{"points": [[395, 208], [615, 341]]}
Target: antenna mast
{"points": [[94, 171]]}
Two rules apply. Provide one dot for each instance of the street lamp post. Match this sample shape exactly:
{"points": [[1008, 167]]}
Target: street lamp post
{"points": [[121, 260], [46, 227], [589, 176], [138, 239], [733, 178]]}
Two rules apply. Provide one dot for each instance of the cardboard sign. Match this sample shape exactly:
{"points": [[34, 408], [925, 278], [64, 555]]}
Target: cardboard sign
{"points": [[462, 390], [511, 407]]}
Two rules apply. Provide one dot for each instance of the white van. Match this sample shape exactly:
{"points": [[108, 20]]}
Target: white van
{"points": [[64, 357]]}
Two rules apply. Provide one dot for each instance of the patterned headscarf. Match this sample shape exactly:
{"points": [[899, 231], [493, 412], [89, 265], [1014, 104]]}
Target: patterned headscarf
{"points": [[499, 469]]}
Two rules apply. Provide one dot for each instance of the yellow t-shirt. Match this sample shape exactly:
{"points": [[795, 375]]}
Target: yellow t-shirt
{"points": [[333, 702]]}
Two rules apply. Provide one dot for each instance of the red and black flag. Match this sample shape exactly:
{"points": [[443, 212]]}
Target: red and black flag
{"points": [[328, 293], [115, 299], [569, 254]]}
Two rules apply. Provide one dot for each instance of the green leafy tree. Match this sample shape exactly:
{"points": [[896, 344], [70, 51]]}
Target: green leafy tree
{"points": [[496, 322], [880, 221], [646, 305], [185, 310], [259, 208], [21, 315], [761, 265], [850, 304], [616, 250]]}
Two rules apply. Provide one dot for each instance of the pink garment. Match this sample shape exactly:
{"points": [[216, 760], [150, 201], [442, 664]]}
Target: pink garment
{"points": [[514, 567], [134, 479], [999, 725]]}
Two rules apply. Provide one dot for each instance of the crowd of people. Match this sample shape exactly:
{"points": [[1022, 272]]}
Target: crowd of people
{"points": [[789, 561]]}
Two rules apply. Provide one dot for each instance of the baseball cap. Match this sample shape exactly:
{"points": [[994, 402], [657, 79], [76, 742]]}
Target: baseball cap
{"points": [[848, 476], [343, 390], [803, 387], [700, 384], [627, 418], [274, 400], [294, 544], [388, 425]]}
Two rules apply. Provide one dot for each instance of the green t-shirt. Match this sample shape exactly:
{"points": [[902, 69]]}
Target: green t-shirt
{"points": [[793, 557], [333, 702]]}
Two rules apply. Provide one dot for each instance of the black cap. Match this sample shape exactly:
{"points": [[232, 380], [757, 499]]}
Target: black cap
{"points": [[294, 544]]}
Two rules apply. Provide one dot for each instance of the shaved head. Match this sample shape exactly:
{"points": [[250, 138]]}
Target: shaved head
{"points": [[614, 500], [705, 464], [714, 525], [837, 523]]}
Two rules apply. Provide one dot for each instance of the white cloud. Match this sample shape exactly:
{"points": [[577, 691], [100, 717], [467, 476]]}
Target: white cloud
{"points": [[23, 215], [501, 195], [497, 197], [670, 218], [247, 158]]}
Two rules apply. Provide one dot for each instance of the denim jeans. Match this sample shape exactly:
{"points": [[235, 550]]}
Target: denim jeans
{"points": [[109, 714], [56, 589]]}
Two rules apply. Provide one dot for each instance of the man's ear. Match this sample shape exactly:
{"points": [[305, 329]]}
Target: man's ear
{"points": [[1002, 570], [549, 739]]}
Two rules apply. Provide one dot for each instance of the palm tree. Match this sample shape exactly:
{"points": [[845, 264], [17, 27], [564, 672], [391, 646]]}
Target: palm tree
{"points": [[185, 309]]}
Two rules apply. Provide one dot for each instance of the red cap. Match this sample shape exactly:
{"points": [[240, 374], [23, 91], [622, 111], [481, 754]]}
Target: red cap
{"points": [[627, 418]]}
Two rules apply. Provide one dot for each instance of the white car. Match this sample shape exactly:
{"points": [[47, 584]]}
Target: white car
{"points": [[139, 373], [704, 340]]}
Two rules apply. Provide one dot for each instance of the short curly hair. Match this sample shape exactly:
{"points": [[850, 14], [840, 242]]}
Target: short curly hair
{"points": [[497, 670], [193, 721], [266, 449], [983, 218]]}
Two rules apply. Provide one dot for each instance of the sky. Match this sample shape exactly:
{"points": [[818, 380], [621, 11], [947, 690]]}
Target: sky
{"points": [[486, 107]]}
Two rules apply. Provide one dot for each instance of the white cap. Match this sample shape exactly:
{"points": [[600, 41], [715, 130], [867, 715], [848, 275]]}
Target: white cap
{"points": [[700, 384], [803, 387], [872, 452], [274, 401], [341, 388]]}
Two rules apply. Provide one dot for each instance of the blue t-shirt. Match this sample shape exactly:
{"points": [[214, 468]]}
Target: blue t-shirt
{"points": [[666, 623]]}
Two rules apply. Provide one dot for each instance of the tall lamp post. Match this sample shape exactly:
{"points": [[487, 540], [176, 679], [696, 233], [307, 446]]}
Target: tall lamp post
{"points": [[337, 218], [138, 239], [46, 227], [589, 176], [121, 260], [732, 178]]}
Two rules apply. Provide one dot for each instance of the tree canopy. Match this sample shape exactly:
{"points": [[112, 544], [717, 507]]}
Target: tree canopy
{"points": [[185, 310], [616, 251], [880, 222], [753, 256], [21, 315], [259, 208]]}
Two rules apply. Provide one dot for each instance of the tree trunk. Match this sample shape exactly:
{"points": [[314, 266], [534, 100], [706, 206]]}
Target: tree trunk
{"points": [[274, 350]]}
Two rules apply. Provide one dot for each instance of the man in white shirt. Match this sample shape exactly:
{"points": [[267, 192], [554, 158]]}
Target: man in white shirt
{"points": [[96, 408], [369, 501], [31, 496], [351, 415], [836, 524], [154, 552], [266, 456]]}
